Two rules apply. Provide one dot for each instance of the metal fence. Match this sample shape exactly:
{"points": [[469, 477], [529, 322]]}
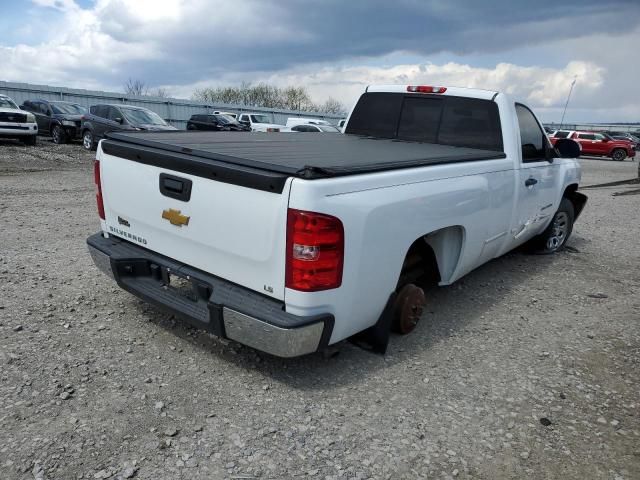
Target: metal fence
{"points": [[596, 127], [176, 111]]}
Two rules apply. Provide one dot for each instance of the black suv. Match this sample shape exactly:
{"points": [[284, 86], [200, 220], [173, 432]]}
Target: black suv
{"points": [[106, 118], [218, 123], [61, 120]]}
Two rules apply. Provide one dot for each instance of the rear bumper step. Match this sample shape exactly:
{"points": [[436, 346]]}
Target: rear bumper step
{"points": [[209, 302]]}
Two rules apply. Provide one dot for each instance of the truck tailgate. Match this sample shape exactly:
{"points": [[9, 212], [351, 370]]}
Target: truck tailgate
{"points": [[235, 232]]}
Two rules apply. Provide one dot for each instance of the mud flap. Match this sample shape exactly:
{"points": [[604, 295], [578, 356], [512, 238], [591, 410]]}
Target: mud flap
{"points": [[376, 338]]}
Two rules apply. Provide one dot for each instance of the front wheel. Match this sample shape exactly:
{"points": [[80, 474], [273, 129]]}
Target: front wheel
{"points": [[558, 232], [619, 154], [87, 141], [58, 134]]}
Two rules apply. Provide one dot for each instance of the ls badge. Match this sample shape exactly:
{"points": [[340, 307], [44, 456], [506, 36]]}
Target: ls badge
{"points": [[175, 217]]}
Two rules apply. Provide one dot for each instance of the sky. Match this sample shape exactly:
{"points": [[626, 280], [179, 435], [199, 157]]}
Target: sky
{"points": [[335, 48]]}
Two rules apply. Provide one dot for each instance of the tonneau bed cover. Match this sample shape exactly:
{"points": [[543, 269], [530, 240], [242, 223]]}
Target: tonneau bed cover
{"points": [[303, 155]]}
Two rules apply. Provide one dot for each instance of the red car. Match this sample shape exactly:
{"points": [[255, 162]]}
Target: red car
{"points": [[602, 145]]}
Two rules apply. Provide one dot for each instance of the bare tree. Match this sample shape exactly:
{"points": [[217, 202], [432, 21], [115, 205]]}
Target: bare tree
{"points": [[263, 95], [135, 87], [331, 105], [160, 92], [297, 98]]}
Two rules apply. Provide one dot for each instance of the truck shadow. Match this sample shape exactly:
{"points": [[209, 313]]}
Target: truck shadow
{"points": [[458, 309]]}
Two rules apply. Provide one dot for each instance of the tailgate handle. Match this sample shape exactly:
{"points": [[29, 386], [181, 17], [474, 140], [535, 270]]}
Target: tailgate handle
{"points": [[175, 187]]}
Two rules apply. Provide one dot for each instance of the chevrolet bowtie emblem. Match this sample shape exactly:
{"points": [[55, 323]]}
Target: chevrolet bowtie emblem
{"points": [[175, 217]]}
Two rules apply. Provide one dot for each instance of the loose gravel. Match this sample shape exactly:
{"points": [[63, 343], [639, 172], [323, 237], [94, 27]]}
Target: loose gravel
{"points": [[526, 368]]}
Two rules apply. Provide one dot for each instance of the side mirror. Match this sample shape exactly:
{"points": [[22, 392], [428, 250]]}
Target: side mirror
{"points": [[605, 139], [118, 119], [49, 113], [568, 148]]}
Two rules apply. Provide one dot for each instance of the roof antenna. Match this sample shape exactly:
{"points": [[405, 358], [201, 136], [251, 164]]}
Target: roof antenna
{"points": [[567, 102]]}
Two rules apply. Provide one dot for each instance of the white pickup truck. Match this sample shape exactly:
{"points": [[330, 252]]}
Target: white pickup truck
{"points": [[289, 243], [259, 122]]}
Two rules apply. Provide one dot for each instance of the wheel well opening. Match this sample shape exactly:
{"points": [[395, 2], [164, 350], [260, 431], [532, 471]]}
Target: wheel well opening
{"points": [[420, 266], [577, 199]]}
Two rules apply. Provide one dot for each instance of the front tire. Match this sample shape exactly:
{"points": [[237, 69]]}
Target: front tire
{"points": [[87, 141], [58, 134], [619, 154], [558, 232], [30, 141]]}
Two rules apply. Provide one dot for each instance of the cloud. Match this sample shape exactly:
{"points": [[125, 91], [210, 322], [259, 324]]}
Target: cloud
{"points": [[333, 47], [542, 88]]}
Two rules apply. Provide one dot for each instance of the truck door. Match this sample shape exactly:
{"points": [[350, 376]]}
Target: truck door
{"points": [[536, 180], [600, 144], [588, 142], [43, 116]]}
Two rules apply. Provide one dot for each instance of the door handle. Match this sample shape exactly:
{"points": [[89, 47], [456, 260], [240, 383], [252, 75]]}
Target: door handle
{"points": [[175, 187], [530, 182]]}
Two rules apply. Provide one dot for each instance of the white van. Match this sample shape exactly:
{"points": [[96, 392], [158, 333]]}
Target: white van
{"points": [[293, 121]]}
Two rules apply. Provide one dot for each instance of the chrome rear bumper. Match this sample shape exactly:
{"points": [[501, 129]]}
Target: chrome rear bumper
{"points": [[223, 308]]}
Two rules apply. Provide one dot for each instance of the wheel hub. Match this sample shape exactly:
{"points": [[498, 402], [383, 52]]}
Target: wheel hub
{"points": [[408, 308], [559, 230]]}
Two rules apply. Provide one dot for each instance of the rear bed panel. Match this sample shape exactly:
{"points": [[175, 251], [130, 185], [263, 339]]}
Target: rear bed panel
{"points": [[234, 232]]}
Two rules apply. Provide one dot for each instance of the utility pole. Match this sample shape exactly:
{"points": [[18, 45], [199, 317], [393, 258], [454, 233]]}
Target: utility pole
{"points": [[567, 102]]}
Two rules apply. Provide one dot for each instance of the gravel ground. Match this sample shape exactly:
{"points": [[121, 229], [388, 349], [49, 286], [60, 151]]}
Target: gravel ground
{"points": [[526, 368]]}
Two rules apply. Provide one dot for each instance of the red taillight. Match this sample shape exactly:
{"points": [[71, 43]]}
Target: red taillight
{"points": [[425, 89], [96, 179], [315, 251]]}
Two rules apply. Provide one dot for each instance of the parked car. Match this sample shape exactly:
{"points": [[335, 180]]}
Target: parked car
{"points": [[217, 123], [15, 123], [105, 118], [59, 119], [626, 136], [259, 122], [293, 121], [601, 144], [276, 242], [228, 114], [562, 134], [312, 128]]}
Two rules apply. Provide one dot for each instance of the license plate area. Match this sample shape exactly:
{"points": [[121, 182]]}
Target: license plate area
{"points": [[181, 285]]}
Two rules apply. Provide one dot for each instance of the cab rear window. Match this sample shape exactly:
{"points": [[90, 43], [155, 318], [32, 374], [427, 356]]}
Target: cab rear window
{"points": [[446, 120]]}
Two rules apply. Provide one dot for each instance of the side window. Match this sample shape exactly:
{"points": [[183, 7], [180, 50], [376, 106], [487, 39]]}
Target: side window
{"points": [[244, 118], [532, 138], [101, 111], [113, 113], [28, 106], [587, 136], [42, 108], [298, 128], [599, 136]]}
